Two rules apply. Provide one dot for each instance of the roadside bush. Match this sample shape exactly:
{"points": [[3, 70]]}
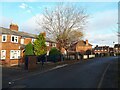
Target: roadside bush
{"points": [[28, 53], [54, 51], [29, 49], [54, 55]]}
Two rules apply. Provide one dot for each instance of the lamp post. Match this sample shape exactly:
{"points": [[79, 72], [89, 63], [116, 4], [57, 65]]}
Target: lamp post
{"points": [[102, 49], [113, 49]]}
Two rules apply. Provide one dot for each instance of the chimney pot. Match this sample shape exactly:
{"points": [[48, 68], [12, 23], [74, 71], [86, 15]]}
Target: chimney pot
{"points": [[14, 27], [44, 34], [86, 42]]}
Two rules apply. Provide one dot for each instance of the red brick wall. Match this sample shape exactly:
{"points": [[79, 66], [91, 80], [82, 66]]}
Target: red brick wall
{"points": [[27, 40], [8, 45], [14, 27], [83, 48]]}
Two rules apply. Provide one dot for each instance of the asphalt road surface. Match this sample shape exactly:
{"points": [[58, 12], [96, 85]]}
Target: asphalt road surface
{"points": [[86, 74]]}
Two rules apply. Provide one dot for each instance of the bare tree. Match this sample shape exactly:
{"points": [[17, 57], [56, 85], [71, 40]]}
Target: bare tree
{"points": [[64, 23]]}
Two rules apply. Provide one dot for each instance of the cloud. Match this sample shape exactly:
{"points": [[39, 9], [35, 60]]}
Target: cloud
{"points": [[106, 39], [26, 7], [103, 20], [31, 25], [23, 6], [101, 27], [5, 22], [29, 11]]}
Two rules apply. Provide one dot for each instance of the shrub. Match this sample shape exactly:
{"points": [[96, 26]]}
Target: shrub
{"points": [[29, 49], [54, 55], [54, 51]]}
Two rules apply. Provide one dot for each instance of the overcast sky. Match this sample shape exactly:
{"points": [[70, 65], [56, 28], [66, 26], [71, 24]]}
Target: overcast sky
{"points": [[100, 30]]}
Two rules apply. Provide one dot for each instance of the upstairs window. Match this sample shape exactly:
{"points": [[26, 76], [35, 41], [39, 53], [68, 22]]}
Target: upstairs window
{"points": [[4, 38], [14, 39], [54, 44], [33, 40], [3, 54], [22, 41]]}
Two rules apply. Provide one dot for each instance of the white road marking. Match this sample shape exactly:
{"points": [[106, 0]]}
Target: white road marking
{"points": [[101, 80], [58, 67]]}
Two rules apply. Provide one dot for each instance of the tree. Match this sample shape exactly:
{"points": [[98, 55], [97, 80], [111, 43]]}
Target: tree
{"points": [[29, 49], [39, 45], [64, 23]]}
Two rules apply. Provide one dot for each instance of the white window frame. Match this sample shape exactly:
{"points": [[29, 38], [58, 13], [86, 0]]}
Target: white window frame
{"points": [[15, 37], [22, 41], [53, 44], [5, 38], [47, 43], [2, 55], [33, 40], [16, 53]]}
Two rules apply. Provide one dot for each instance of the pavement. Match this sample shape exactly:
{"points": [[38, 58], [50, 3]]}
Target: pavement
{"points": [[93, 73]]}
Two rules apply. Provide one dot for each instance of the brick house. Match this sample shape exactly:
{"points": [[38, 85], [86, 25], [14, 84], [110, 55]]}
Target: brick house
{"points": [[81, 46], [102, 50], [13, 43], [117, 49]]}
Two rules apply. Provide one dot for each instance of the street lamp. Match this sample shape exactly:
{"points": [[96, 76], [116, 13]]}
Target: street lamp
{"points": [[113, 49], [102, 49]]}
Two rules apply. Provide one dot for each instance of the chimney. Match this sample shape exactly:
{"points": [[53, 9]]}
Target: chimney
{"points": [[87, 42], [14, 27], [44, 34]]}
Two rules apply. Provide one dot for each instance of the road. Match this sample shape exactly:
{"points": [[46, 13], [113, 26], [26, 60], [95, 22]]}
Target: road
{"points": [[88, 74]]}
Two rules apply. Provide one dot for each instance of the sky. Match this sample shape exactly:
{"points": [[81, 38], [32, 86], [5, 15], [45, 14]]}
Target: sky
{"points": [[100, 30]]}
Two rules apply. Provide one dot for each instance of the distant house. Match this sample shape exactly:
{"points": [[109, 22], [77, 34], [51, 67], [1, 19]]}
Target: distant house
{"points": [[13, 43], [111, 51], [117, 48], [101, 50], [81, 46]]}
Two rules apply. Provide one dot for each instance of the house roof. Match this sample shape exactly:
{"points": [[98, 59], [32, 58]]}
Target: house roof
{"points": [[49, 40], [101, 47], [81, 43], [117, 46], [18, 33]]}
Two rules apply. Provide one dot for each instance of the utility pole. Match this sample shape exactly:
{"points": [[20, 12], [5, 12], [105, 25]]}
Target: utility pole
{"points": [[102, 48]]}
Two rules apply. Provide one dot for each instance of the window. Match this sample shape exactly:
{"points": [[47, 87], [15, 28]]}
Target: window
{"points": [[22, 41], [4, 38], [33, 40], [3, 54], [14, 39], [15, 54], [47, 43], [54, 45]]}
